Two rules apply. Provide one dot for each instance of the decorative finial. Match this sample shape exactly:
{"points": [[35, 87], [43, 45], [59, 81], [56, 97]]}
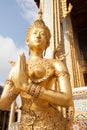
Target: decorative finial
{"points": [[39, 15]]}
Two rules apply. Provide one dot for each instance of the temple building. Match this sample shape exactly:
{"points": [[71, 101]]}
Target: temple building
{"points": [[67, 20]]}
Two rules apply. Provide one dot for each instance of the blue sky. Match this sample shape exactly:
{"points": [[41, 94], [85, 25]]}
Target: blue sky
{"points": [[15, 17]]}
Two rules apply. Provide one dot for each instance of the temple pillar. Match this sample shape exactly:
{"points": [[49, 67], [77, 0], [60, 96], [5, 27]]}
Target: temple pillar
{"points": [[72, 52], [50, 10], [12, 115], [57, 18]]}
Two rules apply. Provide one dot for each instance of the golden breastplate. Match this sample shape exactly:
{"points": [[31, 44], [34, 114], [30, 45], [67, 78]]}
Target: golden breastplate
{"points": [[40, 70]]}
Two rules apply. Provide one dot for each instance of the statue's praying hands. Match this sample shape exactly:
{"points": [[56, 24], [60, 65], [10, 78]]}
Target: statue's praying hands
{"points": [[19, 73]]}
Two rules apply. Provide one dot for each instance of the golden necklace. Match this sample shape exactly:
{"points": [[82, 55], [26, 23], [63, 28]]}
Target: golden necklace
{"points": [[39, 70]]}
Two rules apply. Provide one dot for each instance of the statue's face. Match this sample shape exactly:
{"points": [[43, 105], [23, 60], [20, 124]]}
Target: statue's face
{"points": [[37, 39]]}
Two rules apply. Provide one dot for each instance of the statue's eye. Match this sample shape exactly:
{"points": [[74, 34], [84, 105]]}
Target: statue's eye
{"points": [[34, 32], [42, 33]]}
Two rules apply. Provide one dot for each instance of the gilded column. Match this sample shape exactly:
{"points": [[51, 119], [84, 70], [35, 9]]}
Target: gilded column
{"points": [[70, 45], [71, 49]]}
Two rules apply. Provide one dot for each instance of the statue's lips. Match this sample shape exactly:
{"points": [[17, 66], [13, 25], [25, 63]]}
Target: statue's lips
{"points": [[38, 39]]}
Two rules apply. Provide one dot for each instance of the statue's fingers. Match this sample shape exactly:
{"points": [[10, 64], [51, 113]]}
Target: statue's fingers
{"points": [[19, 62], [23, 62]]}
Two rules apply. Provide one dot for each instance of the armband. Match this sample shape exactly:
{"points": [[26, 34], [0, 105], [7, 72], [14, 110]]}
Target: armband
{"points": [[10, 82], [62, 73], [12, 94]]}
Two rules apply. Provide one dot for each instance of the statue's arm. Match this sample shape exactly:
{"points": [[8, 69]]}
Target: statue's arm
{"points": [[14, 84], [61, 98], [9, 93], [64, 97]]}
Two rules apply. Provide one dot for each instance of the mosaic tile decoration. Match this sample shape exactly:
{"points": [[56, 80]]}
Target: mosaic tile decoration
{"points": [[80, 103]]}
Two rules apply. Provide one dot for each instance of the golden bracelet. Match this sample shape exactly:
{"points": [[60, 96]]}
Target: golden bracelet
{"points": [[34, 90]]}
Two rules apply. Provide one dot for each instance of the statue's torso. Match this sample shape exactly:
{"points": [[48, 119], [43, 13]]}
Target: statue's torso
{"points": [[39, 113], [40, 72]]}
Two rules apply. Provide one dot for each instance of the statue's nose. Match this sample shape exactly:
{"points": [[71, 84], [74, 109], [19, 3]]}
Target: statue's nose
{"points": [[38, 35]]}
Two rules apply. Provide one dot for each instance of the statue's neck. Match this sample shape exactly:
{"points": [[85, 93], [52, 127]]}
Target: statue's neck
{"points": [[36, 55]]}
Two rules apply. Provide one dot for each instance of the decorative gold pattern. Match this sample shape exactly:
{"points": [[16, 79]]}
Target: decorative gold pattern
{"points": [[10, 82], [62, 73], [37, 68], [64, 9], [12, 94], [44, 120], [34, 90]]}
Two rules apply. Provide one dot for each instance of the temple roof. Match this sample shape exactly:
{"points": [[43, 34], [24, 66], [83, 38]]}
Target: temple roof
{"points": [[37, 2], [79, 12], [1, 89]]}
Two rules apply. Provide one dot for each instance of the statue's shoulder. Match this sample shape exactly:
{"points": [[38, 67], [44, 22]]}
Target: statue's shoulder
{"points": [[58, 64]]}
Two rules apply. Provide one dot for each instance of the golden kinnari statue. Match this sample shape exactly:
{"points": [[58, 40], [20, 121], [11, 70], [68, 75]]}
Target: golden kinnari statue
{"points": [[43, 84]]}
